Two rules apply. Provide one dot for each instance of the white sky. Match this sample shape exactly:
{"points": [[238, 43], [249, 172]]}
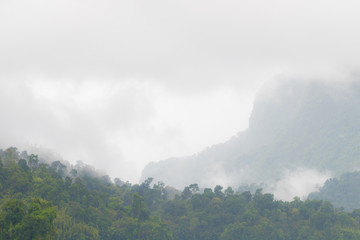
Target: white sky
{"points": [[118, 84]]}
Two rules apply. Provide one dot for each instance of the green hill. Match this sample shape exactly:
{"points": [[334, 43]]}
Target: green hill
{"points": [[343, 191], [51, 201]]}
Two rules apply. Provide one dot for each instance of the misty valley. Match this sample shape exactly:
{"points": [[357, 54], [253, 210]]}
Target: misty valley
{"points": [[179, 120], [291, 175]]}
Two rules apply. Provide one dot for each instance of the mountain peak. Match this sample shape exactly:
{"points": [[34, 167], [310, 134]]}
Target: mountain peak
{"points": [[294, 124]]}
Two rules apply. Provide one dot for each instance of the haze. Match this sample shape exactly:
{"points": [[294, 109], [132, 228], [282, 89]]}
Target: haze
{"points": [[118, 84]]}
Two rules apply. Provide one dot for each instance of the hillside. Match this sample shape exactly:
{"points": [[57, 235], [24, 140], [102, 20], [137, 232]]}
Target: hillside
{"points": [[49, 201], [296, 124], [343, 191]]}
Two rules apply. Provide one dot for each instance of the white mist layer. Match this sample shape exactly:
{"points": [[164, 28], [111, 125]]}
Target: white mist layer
{"points": [[298, 183]]}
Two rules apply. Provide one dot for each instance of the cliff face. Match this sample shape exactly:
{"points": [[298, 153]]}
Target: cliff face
{"points": [[296, 124]]}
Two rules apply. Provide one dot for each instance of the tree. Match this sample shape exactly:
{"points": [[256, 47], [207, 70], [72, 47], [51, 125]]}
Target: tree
{"points": [[263, 201], [2, 224], [138, 208], [23, 165], [33, 162], [73, 173], [1, 173], [118, 182], [229, 192], [218, 191], [186, 193], [154, 230], [83, 231], [15, 179], [194, 188], [11, 154], [14, 210], [58, 167], [238, 231], [38, 222], [124, 228]]}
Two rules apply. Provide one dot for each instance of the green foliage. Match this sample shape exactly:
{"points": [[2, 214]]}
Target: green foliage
{"points": [[38, 222], [41, 201], [33, 161], [14, 210], [342, 192], [28, 220], [138, 209], [238, 231]]}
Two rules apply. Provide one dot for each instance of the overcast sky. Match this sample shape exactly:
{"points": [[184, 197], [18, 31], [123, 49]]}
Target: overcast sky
{"points": [[118, 84]]}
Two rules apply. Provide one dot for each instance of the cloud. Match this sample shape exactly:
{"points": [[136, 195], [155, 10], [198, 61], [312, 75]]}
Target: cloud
{"points": [[111, 77], [77, 121], [115, 126], [297, 183]]}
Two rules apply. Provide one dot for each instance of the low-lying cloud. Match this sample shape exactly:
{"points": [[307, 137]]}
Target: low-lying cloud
{"points": [[297, 183], [122, 83]]}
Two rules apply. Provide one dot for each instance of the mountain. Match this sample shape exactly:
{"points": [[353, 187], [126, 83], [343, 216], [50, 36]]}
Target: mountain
{"points": [[294, 124]]}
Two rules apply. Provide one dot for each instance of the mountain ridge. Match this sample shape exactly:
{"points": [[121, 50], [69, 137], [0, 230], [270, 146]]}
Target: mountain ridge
{"points": [[307, 124]]}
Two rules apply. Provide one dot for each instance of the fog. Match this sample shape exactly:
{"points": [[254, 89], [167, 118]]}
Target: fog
{"points": [[118, 84], [297, 183]]}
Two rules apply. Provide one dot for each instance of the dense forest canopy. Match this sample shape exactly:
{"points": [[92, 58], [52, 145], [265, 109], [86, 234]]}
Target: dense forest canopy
{"points": [[342, 192], [41, 200]]}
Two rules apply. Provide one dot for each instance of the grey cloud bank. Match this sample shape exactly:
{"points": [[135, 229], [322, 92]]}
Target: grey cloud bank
{"points": [[118, 84]]}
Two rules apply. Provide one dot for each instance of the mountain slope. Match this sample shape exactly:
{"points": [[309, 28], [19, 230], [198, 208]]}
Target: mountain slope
{"points": [[309, 124], [343, 191]]}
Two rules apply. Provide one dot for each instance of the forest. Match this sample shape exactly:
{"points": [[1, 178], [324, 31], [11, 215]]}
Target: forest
{"points": [[343, 191], [39, 200]]}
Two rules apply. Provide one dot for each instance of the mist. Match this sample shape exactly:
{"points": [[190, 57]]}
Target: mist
{"points": [[192, 119], [120, 84], [297, 183]]}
